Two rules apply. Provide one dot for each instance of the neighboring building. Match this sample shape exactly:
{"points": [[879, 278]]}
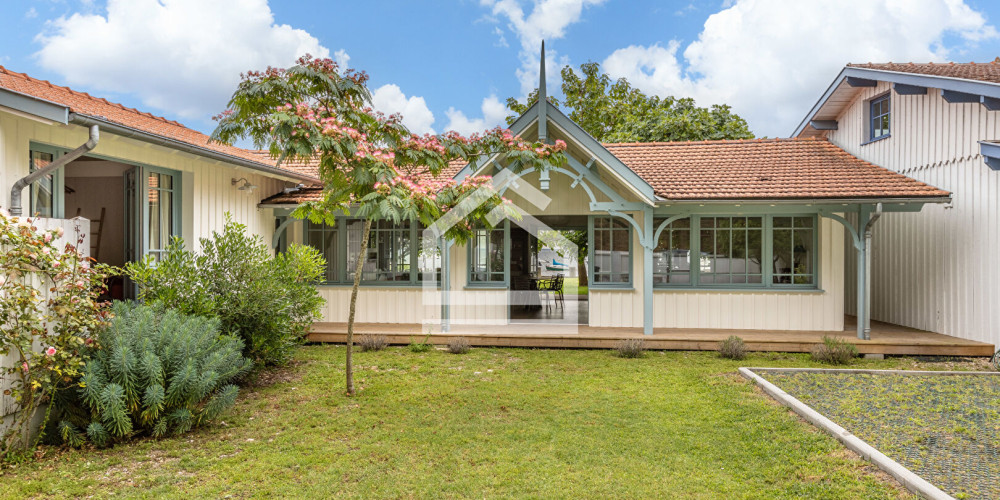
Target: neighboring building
{"points": [[936, 123]]}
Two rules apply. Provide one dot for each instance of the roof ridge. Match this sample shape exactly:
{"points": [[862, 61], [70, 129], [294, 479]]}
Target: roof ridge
{"points": [[756, 140]]}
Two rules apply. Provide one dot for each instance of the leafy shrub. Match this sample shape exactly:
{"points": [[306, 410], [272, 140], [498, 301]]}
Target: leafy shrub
{"points": [[270, 302], [372, 342], [834, 351], [459, 345], [49, 306], [630, 348], [423, 346], [155, 372], [733, 348]]}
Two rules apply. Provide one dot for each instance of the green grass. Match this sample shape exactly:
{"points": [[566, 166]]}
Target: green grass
{"points": [[491, 423], [571, 286]]}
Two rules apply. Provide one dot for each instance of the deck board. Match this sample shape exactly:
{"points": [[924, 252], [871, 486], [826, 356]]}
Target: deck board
{"points": [[885, 338]]}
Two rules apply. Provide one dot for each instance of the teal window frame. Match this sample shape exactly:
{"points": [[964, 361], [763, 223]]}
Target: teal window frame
{"points": [[879, 111], [342, 275], [175, 209], [767, 281], [593, 284], [470, 258], [58, 181]]}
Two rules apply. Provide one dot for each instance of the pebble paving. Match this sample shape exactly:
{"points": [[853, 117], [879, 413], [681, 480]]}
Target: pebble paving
{"points": [[944, 428]]}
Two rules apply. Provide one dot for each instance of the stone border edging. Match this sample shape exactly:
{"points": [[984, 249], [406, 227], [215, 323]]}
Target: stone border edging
{"points": [[905, 476], [868, 371]]}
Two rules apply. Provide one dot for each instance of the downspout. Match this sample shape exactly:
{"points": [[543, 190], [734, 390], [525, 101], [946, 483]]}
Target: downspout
{"points": [[868, 269], [15, 191]]}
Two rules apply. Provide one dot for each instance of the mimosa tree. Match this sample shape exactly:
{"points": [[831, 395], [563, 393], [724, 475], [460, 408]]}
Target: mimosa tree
{"points": [[371, 166]]}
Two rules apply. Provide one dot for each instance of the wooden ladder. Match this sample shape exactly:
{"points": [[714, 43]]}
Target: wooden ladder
{"points": [[95, 235]]}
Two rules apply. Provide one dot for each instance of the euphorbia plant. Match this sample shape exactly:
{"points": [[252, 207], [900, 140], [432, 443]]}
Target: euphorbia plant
{"points": [[48, 310], [371, 166]]}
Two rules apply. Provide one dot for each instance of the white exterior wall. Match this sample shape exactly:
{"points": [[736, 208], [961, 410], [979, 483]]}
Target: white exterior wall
{"points": [[934, 270], [821, 310], [207, 192]]}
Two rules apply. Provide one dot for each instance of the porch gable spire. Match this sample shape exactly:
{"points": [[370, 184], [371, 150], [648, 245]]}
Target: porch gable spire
{"points": [[542, 99]]}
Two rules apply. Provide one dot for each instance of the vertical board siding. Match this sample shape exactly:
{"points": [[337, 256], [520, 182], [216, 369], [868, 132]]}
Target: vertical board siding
{"points": [[933, 270]]}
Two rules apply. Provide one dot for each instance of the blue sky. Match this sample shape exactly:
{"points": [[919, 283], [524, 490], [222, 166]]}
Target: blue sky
{"points": [[450, 65]]}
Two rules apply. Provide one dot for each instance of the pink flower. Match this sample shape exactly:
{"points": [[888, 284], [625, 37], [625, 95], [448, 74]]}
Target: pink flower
{"points": [[51, 351], [25, 366], [48, 237]]}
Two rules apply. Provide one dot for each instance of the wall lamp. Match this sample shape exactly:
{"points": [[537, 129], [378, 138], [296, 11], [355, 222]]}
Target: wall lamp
{"points": [[246, 184]]}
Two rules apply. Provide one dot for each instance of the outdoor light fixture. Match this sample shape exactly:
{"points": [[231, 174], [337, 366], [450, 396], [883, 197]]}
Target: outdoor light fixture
{"points": [[246, 184]]}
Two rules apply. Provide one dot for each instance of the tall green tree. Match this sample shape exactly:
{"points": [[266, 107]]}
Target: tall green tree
{"points": [[615, 111], [371, 166]]}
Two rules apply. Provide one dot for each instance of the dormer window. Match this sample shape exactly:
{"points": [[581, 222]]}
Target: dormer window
{"points": [[878, 112]]}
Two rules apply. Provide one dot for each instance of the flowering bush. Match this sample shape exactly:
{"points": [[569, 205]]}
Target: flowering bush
{"points": [[269, 302], [48, 309]]}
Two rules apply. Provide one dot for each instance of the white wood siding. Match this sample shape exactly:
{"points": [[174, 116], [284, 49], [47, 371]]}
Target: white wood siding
{"points": [[207, 191], [934, 270]]}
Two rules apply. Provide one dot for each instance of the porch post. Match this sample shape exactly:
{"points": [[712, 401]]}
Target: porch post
{"points": [[445, 285], [864, 212], [647, 270]]}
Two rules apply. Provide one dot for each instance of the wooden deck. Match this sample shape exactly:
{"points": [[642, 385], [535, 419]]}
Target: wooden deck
{"points": [[886, 338]]}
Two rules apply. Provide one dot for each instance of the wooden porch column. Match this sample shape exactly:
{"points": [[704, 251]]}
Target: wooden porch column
{"points": [[647, 270], [445, 285]]}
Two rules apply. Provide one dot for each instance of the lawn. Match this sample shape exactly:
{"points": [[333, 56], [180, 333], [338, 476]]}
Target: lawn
{"points": [[492, 423], [571, 286]]}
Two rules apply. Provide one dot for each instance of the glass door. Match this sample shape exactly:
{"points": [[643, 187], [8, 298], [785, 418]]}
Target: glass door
{"points": [[152, 211]]}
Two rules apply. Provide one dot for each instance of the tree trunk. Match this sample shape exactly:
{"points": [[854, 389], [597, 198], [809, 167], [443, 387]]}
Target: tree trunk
{"points": [[581, 269], [362, 254]]}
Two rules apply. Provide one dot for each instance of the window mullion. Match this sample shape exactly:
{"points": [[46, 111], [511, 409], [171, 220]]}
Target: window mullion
{"points": [[767, 266]]}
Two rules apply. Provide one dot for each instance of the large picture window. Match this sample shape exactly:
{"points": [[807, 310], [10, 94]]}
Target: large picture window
{"points": [[395, 255], [388, 256], [612, 256], [793, 239], [732, 250], [486, 256], [737, 252]]}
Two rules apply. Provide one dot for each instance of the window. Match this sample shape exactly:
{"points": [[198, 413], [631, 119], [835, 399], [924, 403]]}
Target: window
{"points": [[672, 255], [731, 250], [388, 256], [737, 252], [393, 250], [612, 256], [325, 239], [42, 199], [160, 212], [793, 250], [879, 115], [486, 255]]}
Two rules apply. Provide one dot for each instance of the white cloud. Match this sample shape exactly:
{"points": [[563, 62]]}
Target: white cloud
{"points": [[771, 59], [417, 117], [31, 14], [548, 20], [342, 58], [181, 56], [494, 113]]}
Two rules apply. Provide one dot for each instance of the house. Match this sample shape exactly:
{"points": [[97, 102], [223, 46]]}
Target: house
{"points": [[697, 235], [937, 123], [737, 235]]}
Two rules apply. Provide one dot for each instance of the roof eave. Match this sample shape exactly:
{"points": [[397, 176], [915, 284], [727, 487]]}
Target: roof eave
{"points": [[962, 85], [47, 111], [810, 201]]}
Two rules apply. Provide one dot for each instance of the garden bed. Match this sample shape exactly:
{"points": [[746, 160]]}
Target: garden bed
{"points": [[944, 427]]}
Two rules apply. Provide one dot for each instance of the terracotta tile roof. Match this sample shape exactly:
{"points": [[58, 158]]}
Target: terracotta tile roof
{"points": [[315, 192], [85, 104], [762, 169], [983, 72]]}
